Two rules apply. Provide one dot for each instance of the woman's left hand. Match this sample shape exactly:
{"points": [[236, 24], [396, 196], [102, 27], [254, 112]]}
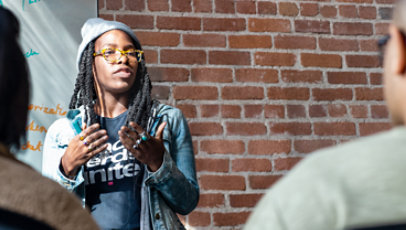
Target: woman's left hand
{"points": [[147, 149]]}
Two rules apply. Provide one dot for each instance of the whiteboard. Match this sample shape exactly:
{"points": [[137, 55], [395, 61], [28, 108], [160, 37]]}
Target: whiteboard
{"points": [[49, 38]]}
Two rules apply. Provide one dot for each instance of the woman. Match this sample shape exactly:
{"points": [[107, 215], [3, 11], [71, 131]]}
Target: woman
{"points": [[128, 157], [27, 199]]}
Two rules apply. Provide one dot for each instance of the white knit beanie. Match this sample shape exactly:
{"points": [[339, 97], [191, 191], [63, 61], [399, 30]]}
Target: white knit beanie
{"points": [[95, 27]]}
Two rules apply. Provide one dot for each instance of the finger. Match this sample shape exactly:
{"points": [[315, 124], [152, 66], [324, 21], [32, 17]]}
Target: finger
{"points": [[125, 140], [86, 132], [160, 132], [136, 127], [96, 135], [129, 133], [100, 141], [96, 151]]}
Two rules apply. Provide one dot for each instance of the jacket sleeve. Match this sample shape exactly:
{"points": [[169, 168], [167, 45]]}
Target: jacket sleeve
{"points": [[56, 141], [176, 178]]}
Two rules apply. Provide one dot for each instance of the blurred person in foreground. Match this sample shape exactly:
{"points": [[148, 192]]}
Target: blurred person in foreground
{"points": [[359, 184], [27, 199]]}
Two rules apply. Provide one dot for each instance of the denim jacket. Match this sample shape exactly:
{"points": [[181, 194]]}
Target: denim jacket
{"points": [[171, 189]]}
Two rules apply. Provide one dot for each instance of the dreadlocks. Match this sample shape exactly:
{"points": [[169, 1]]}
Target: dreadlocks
{"points": [[140, 101]]}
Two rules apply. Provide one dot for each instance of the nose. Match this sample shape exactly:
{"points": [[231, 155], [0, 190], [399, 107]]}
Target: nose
{"points": [[123, 59]]}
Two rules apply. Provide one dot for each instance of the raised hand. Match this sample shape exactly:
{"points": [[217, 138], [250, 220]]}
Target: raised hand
{"points": [[147, 149], [90, 142]]}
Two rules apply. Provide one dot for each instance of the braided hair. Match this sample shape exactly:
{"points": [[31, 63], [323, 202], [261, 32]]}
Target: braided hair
{"points": [[139, 103]]}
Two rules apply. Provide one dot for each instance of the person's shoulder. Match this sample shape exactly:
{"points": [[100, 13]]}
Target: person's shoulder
{"points": [[171, 111], [29, 193]]}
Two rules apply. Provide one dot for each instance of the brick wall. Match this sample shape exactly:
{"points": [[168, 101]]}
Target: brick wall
{"points": [[262, 83]]}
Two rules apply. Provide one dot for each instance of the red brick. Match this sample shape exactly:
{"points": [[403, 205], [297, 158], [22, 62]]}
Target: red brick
{"points": [[367, 12], [362, 61], [296, 111], [268, 147], [246, 7], [296, 76], [334, 128], [158, 5], [162, 74], [288, 9], [308, 146], [204, 40], [291, 93], [205, 128], [359, 111], [242, 92], [199, 219], [224, 6], [375, 78], [274, 59], [137, 21], [223, 24], [268, 25], [249, 41], [203, 6], [274, 111], [356, 1], [308, 26], [286, 163], [251, 165], [134, 5], [113, 5], [183, 56], [337, 110], [211, 200], [372, 128], [108, 17], [229, 58], [188, 110], [266, 8], [181, 5], [385, 1], [369, 94], [209, 110], [100, 4], [244, 200], [212, 165], [253, 111], [230, 219], [295, 42], [257, 75], [230, 111], [291, 128], [369, 45], [195, 92], [222, 75], [379, 111], [348, 11], [222, 146], [381, 28], [321, 60], [347, 78], [160, 92], [263, 182], [332, 44], [158, 38], [245, 128], [317, 111], [328, 11], [332, 94], [309, 9], [223, 182], [151, 56], [352, 28], [178, 23]]}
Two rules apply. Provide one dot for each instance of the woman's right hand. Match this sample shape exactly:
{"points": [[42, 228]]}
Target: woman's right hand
{"points": [[82, 147]]}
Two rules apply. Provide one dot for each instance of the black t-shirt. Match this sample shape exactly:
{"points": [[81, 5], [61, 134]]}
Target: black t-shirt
{"points": [[113, 181]]}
